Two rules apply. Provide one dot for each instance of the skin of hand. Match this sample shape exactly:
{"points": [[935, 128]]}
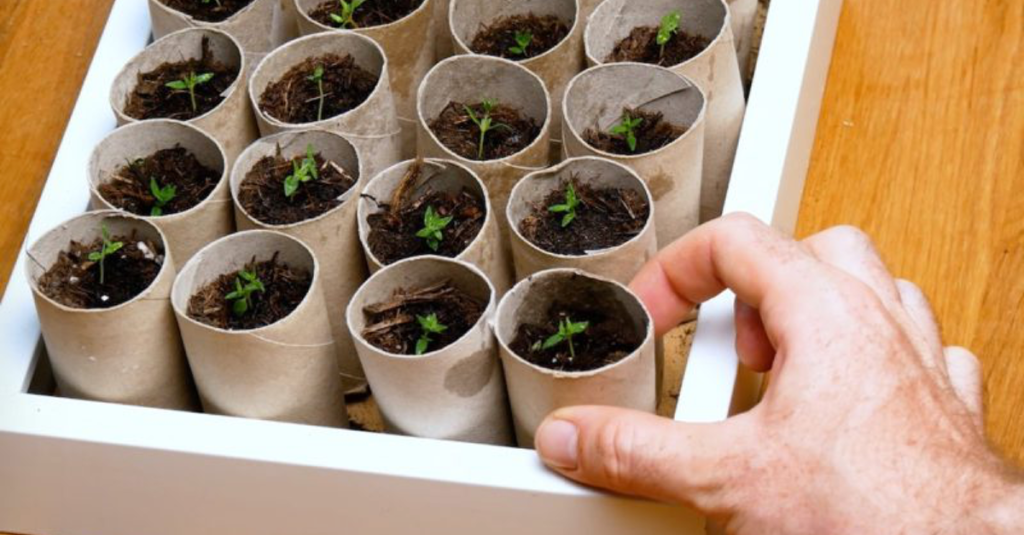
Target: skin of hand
{"points": [[869, 424]]}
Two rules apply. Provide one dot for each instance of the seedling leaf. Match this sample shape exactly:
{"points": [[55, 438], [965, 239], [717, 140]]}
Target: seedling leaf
{"points": [[433, 227], [523, 40]]}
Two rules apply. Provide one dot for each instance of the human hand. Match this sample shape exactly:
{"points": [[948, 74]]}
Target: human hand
{"points": [[869, 424]]}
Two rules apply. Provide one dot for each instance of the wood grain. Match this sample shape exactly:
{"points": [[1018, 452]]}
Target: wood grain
{"points": [[921, 143]]}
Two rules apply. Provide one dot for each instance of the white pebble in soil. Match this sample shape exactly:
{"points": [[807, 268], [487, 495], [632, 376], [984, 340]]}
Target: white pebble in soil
{"points": [[104, 298], [141, 246]]}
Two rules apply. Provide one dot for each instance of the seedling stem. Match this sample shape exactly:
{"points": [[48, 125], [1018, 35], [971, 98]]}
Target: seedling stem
{"points": [[108, 248], [318, 78], [566, 330], [569, 207], [189, 83], [348, 11], [669, 27], [484, 123], [627, 127]]}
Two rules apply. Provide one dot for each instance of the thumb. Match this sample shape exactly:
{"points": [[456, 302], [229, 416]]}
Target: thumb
{"points": [[640, 454]]}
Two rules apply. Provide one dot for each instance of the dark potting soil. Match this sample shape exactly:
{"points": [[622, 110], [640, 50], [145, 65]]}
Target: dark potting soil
{"points": [[641, 45], [207, 10], [653, 133], [499, 37], [511, 131], [74, 280], [605, 218], [285, 288], [392, 326], [295, 98], [372, 13], [153, 99], [393, 228], [131, 186], [262, 193], [605, 341]]}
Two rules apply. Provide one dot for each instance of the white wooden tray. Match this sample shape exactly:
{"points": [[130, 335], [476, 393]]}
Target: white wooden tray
{"points": [[71, 467]]}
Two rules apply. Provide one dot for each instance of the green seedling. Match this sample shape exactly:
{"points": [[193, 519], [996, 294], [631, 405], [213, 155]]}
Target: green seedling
{"points": [[523, 40], [348, 11], [485, 123], [189, 83], [301, 173], [214, 1], [318, 78], [242, 296], [568, 207], [669, 27], [433, 227], [429, 325], [627, 127], [566, 330], [162, 195], [108, 248]]}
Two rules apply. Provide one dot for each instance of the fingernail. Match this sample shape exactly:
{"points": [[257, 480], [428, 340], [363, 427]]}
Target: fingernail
{"points": [[556, 444]]}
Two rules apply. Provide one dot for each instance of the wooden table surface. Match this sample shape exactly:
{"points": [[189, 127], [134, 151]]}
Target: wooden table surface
{"points": [[921, 143]]}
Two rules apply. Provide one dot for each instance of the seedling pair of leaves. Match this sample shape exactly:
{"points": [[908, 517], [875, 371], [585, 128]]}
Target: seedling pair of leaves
{"points": [[523, 40], [108, 248], [189, 84], [301, 173], [246, 283], [429, 325], [163, 195], [627, 127], [348, 11], [433, 228], [566, 330], [568, 207], [669, 27], [484, 123]]}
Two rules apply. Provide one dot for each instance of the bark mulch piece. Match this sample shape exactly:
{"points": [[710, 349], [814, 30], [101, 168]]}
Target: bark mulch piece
{"points": [[511, 131], [641, 46], [606, 340], [295, 98], [605, 218], [372, 13], [286, 287], [392, 326], [74, 280], [653, 133], [207, 10], [393, 229], [131, 186], [152, 99], [499, 37], [262, 193]]}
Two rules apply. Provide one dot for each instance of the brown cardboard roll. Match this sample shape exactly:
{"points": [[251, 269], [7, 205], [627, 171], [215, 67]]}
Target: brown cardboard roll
{"points": [[743, 14]]}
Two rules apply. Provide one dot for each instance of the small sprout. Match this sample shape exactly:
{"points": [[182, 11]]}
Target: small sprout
{"points": [[189, 83], [566, 330], [318, 78], [214, 1], [348, 11], [301, 173], [242, 296], [429, 325], [669, 27], [433, 225], [569, 207], [162, 195], [108, 248], [523, 40], [484, 123], [627, 127]]}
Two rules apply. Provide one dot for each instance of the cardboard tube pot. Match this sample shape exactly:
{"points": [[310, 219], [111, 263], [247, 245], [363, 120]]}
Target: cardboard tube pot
{"points": [[331, 236], [715, 70], [130, 353], [485, 251], [556, 66], [372, 127], [743, 14], [286, 371], [673, 173], [535, 391], [231, 123], [187, 231], [259, 27], [618, 263], [468, 79], [408, 59], [587, 7], [454, 393]]}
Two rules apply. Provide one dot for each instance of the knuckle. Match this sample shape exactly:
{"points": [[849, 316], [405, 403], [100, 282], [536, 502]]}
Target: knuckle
{"points": [[851, 236], [616, 448]]}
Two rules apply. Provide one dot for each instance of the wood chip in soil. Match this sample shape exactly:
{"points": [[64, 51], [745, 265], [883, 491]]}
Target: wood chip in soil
{"points": [[129, 188], [295, 98], [605, 218], [262, 194], [457, 131], [372, 13], [606, 341], [286, 287], [208, 11], [499, 37], [394, 226], [641, 46], [152, 99], [653, 133], [392, 325], [74, 280]]}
